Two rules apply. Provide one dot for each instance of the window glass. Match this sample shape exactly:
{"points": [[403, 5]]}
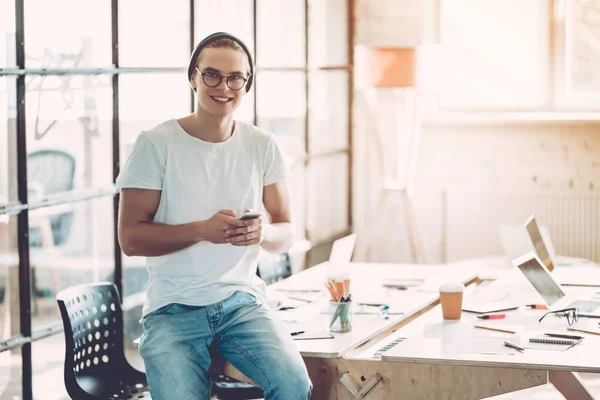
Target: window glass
{"points": [[10, 375], [328, 33], [327, 197], [69, 133], [298, 188], [8, 145], [280, 31], [231, 16], [281, 108], [9, 280], [147, 100], [78, 33], [158, 39], [490, 63], [583, 46], [7, 33], [328, 111], [48, 366], [70, 244]]}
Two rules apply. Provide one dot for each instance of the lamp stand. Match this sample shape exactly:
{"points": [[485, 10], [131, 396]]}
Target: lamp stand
{"points": [[398, 110]]}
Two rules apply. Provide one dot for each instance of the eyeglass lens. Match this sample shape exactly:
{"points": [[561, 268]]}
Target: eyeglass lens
{"points": [[234, 82]]}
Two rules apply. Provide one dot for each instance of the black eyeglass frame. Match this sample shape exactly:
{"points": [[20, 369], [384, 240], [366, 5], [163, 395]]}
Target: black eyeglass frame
{"points": [[203, 74], [571, 313]]}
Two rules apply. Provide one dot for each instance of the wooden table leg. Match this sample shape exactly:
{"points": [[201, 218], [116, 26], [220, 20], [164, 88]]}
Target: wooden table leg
{"points": [[569, 385]]}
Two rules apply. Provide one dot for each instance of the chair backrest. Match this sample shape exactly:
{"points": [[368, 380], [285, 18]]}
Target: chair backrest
{"points": [[275, 268], [54, 170], [93, 325]]}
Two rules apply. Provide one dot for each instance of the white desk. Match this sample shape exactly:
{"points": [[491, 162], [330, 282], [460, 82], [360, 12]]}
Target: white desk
{"points": [[367, 286], [422, 371], [483, 375]]}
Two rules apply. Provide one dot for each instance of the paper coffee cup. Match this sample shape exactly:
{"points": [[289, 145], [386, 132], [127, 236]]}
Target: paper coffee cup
{"points": [[451, 296]]}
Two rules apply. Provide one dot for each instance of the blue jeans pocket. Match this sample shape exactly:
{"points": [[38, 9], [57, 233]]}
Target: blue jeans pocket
{"points": [[169, 309]]}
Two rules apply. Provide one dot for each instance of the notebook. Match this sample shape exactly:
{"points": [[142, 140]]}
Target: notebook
{"points": [[549, 343]]}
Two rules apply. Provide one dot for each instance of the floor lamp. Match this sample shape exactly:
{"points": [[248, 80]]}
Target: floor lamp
{"points": [[394, 124]]}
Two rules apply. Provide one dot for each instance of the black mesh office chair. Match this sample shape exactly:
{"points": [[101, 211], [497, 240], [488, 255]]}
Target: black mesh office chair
{"points": [[54, 170], [95, 363]]}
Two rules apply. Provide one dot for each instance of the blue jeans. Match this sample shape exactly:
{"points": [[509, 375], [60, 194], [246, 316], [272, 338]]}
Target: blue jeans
{"points": [[177, 341]]}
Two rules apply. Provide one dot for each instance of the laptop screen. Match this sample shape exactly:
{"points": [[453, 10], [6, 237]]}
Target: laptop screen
{"points": [[538, 242], [540, 279], [342, 250]]}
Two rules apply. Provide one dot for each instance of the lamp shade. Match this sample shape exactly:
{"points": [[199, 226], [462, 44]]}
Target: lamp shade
{"points": [[389, 67]]}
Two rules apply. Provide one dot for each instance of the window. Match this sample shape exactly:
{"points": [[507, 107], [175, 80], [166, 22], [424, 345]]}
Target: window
{"points": [[7, 34], [281, 108], [232, 16], [70, 244], [492, 64], [8, 143], [158, 39], [146, 100], [328, 116], [328, 33], [546, 59], [82, 111], [577, 52], [77, 35], [280, 34]]}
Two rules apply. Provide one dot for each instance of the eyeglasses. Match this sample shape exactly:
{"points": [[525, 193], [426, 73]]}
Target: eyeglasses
{"points": [[212, 79], [572, 315]]}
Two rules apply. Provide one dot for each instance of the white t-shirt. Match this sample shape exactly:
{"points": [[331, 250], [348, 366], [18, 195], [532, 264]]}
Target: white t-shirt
{"points": [[196, 180]]}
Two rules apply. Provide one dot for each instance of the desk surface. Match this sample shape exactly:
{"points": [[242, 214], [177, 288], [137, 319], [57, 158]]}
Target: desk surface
{"points": [[367, 286], [423, 346]]}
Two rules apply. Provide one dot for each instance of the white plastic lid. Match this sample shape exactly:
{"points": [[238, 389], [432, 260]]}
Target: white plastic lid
{"points": [[452, 287]]}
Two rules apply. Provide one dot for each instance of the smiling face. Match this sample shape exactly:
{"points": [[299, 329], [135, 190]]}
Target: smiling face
{"points": [[221, 100]]}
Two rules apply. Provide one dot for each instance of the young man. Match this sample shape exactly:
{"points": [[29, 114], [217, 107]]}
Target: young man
{"points": [[183, 188]]}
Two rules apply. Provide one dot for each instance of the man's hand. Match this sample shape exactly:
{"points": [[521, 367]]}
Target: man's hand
{"points": [[250, 233], [215, 228]]}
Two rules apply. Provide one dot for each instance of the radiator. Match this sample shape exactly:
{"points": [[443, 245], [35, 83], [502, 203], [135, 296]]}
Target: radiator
{"points": [[474, 222]]}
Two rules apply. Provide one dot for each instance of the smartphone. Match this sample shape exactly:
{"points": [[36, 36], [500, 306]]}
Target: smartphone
{"points": [[250, 215]]}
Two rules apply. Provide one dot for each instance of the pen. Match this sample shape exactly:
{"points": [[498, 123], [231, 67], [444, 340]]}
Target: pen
{"points": [[297, 333], [492, 316], [286, 308], [564, 336], [514, 346], [537, 306], [494, 329]]}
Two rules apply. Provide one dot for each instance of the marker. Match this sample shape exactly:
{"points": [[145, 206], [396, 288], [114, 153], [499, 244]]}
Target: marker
{"points": [[492, 316], [537, 306], [514, 346], [297, 333]]}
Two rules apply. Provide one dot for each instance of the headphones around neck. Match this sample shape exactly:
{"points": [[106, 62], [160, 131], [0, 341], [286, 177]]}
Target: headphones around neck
{"points": [[211, 38]]}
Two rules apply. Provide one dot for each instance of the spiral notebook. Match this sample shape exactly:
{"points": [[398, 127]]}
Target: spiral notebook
{"points": [[550, 343]]}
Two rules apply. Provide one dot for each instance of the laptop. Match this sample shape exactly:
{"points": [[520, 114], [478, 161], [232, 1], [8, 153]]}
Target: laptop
{"points": [[342, 250], [538, 276], [544, 247], [538, 242], [339, 257]]}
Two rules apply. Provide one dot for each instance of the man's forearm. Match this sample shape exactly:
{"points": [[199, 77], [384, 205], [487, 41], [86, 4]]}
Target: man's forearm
{"points": [[279, 237], [148, 239]]}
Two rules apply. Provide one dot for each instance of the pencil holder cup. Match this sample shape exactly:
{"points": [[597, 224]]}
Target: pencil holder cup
{"points": [[340, 316]]}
